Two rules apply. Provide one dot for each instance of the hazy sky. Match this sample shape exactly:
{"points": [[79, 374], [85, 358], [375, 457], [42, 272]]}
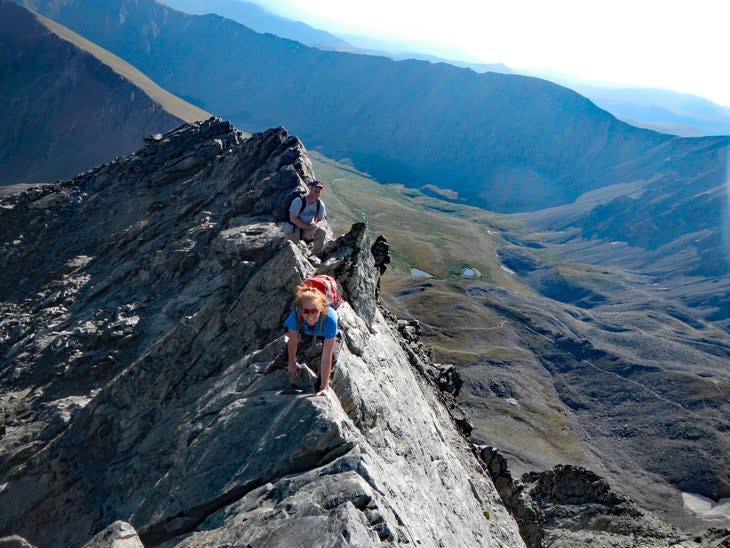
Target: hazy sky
{"points": [[672, 44]]}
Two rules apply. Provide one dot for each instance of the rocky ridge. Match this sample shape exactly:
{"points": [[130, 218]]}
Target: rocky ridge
{"points": [[147, 296], [147, 299]]}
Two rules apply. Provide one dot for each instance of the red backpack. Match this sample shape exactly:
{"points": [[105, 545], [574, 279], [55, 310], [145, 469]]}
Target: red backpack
{"points": [[327, 285]]}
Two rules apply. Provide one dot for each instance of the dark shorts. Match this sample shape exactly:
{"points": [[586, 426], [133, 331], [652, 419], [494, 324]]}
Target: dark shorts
{"points": [[309, 348]]}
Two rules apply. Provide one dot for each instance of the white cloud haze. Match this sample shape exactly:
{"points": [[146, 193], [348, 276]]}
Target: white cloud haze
{"points": [[672, 44]]}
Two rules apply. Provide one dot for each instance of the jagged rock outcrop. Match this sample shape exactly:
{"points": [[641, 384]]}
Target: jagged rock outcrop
{"points": [[142, 302], [580, 507], [570, 506], [118, 535], [529, 517]]}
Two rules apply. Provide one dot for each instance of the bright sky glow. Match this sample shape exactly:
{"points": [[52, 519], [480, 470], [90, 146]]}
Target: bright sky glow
{"points": [[680, 45]]}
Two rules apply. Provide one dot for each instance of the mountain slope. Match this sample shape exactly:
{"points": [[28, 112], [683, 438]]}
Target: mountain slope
{"points": [[657, 109], [132, 379], [582, 291], [63, 110], [586, 353], [132, 369], [259, 19], [256, 17], [504, 142], [494, 138], [661, 110]]}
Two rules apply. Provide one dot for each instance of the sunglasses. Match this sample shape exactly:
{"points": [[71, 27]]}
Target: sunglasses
{"points": [[308, 311]]}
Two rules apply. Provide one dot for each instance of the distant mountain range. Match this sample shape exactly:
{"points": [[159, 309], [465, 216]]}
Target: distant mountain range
{"points": [[258, 18], [261, 20], [662, 110], [504, 142], [65, 110], [659, 109]]}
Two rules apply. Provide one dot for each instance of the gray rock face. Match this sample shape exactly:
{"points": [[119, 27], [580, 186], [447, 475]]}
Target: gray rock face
{"points": [[141, 304], [14, 541], [118, 535], [570, 506]]}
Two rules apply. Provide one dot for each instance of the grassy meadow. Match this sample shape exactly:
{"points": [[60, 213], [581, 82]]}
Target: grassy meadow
{"points": [[431, 235], [437, 237]]}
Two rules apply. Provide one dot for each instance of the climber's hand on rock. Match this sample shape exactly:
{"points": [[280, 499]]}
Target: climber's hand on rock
{"points": [[294, 370]]}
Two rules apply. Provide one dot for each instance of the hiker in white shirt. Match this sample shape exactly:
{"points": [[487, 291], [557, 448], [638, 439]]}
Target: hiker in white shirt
{"points": [[306, 213]]}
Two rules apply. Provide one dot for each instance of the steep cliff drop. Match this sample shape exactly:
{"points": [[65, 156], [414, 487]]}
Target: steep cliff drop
{"points": [[142, 301]]}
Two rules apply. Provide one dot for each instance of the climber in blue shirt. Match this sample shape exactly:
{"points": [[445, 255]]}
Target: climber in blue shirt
{"points": [[312, 320]]}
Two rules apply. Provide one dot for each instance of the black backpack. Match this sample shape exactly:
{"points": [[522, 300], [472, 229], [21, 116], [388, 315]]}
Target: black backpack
{"points": [[303, 198]]}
